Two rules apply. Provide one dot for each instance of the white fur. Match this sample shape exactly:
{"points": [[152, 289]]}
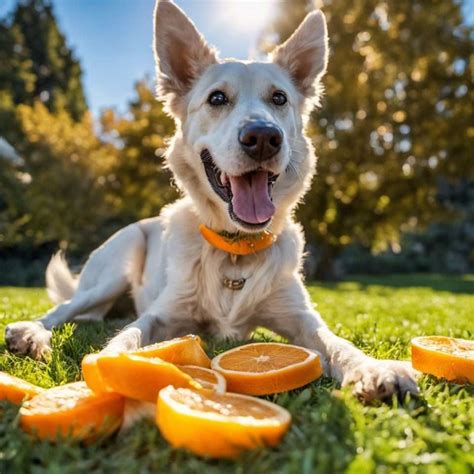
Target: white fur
{"points": [[174, 274]]}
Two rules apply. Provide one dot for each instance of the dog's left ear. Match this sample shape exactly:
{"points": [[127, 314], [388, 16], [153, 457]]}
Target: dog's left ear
{"points": [[305, 53], [181, 53]]}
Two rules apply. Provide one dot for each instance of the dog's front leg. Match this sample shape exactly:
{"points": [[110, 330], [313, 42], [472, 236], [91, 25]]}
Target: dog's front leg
{"points": [[153, 325], [141, 332], [289, 311]]}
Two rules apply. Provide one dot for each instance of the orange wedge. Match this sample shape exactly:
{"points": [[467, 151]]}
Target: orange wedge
{"points": [[268, 367], [185, 350], [72, 410], [140, 378], [445, 357], [16, 390], [218, 425], [207, 378], [91, 373]]}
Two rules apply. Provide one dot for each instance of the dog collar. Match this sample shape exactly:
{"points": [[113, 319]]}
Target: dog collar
{"points": [[238, 243]]}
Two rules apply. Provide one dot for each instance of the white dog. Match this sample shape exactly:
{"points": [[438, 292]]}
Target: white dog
{"points": [[242, 161]]}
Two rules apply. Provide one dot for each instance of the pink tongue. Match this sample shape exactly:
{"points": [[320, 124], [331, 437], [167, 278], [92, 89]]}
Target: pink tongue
{"points": [[250, 198]]}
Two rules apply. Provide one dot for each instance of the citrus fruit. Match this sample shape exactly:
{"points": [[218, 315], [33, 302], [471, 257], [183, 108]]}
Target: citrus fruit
{"points": [[185, 350], [72, 410], [16, 390], [91, 373], [445, 357], [218, 425], [268, 367], [207, 378], [140, 378]]}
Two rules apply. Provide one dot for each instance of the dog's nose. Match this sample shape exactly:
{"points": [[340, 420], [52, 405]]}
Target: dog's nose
{"points": [[261, 140]]}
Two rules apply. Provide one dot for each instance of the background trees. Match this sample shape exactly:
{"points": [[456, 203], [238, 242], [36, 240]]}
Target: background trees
{"points": [[394, 139], [395, 121]]}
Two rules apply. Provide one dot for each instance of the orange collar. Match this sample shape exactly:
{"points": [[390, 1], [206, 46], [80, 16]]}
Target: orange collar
{"points": [[238, 244]]}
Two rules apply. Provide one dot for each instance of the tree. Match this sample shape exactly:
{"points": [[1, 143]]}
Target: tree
{"points": [[395, 117], [36, 63], [137, 186], [62, 191]]}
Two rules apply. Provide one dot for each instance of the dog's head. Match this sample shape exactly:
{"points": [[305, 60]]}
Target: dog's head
{"points": [[240, 149]]}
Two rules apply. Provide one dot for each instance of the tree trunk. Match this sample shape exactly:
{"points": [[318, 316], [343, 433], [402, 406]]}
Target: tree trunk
{"points": [[326, 269]]}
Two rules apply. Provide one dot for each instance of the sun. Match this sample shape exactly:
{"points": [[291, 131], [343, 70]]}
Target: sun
{"points": [[246, 16]]}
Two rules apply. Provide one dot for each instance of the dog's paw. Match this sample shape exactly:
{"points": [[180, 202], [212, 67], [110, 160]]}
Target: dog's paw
{"points": [[28, 338], [381, 379]]}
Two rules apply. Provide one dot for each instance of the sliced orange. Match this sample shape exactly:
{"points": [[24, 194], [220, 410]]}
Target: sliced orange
{"points": [[207, 378], [445, 357], [140, 378], [16, 390], [185, 350], [267, 367], [91, 373], [72, 410], [219, 425]]}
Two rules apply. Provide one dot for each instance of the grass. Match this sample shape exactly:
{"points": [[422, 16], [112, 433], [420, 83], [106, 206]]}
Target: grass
{"points": [[331, 432]]}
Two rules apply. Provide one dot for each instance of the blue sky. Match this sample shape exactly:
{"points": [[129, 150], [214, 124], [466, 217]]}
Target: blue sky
{"points": [[112, 38]]}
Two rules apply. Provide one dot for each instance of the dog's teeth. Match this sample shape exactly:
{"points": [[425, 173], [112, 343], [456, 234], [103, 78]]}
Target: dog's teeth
{"points": [[224, 178]]}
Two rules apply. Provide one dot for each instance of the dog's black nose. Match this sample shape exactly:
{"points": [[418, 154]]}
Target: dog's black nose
{"points": [[261, 140]]}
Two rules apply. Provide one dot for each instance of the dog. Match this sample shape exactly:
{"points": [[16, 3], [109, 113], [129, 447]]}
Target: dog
{"points": [[242, 161]]}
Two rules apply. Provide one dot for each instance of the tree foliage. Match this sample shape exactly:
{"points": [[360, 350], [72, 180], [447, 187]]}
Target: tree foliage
{"points": [[35, 61], [137, 185], [395, 117], [394, 133]]}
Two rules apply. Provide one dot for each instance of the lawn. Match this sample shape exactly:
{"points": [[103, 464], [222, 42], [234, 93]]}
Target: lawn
{"points": [[331, 432]]}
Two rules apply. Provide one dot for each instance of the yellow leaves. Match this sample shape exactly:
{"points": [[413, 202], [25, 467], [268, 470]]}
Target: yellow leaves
{"points": [[399, 116], [369, 180], [344, 240], [330, 215], [362, 77], [58, 131], [382, 204]]}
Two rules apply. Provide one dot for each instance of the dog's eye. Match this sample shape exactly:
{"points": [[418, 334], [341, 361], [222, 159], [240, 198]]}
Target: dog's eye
{"points": [[217, 98], [279, 98]]}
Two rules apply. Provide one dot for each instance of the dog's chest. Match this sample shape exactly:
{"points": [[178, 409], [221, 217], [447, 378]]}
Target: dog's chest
{"points": [[225, 287]]}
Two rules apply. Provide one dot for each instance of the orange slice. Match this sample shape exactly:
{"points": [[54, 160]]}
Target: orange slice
{"points": [[72, 410], [140, 378], [268, 367], [445, 357], [185, 350], [219, 425], [91, 373], [16, 390], [207, 378]]}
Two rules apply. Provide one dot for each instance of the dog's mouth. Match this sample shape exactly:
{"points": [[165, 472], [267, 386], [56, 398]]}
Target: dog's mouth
{"points": [[249, 195]]}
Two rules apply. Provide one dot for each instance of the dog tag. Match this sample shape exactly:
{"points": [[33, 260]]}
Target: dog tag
{"points": [[233, 284]]}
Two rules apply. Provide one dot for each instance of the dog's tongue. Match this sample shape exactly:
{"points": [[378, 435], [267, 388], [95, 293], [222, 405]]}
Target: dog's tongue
{"points": [[250, 197]]}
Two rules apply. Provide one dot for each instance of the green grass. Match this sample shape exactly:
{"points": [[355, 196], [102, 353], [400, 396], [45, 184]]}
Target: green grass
{"points": [[331, 432]]}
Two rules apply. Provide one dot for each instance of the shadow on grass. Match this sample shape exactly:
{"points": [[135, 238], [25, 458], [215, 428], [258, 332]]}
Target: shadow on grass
{"points": [[461, 284]]}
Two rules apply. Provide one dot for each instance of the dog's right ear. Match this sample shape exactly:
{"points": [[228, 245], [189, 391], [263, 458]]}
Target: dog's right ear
{"points": [[181, 53]]}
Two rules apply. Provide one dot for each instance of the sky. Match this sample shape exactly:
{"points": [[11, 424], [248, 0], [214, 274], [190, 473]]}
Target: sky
{"points": [[113, 38]]}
